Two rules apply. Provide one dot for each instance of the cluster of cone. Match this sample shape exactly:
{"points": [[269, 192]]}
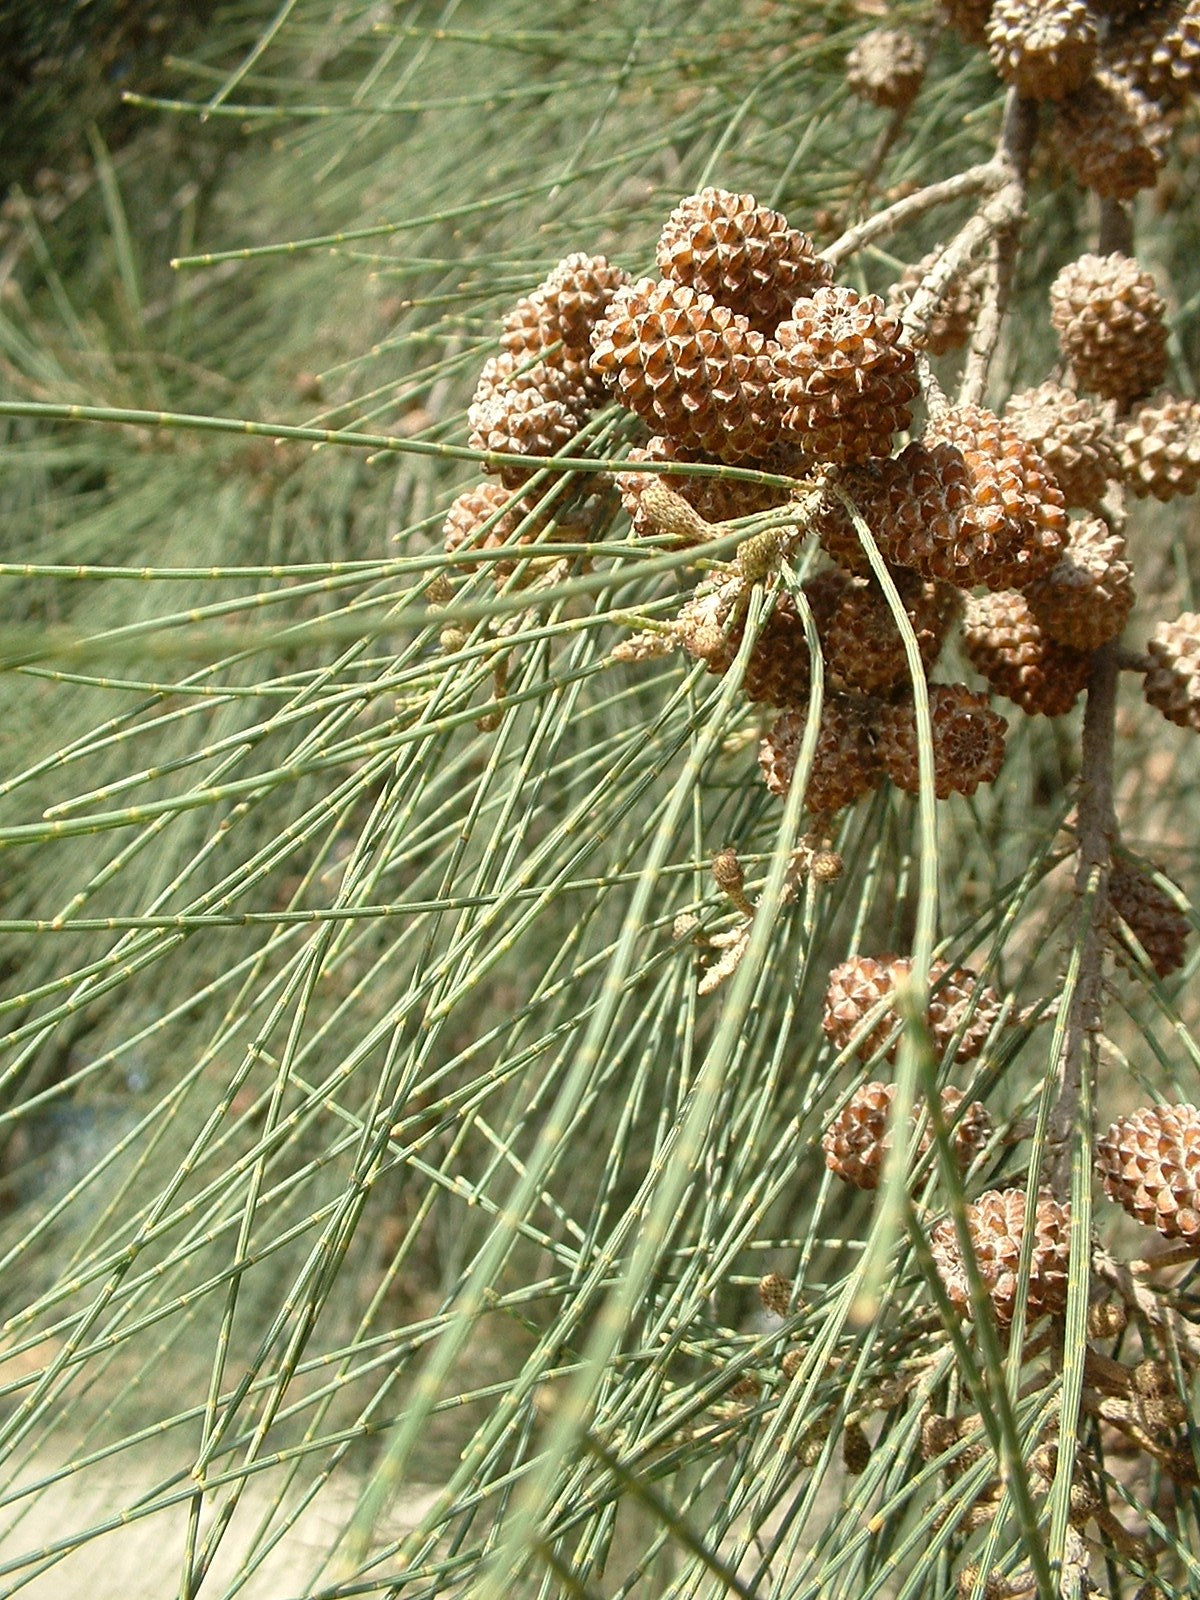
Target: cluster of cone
{"points": [[1149, 1161], [745, 352], [1118, 74]]}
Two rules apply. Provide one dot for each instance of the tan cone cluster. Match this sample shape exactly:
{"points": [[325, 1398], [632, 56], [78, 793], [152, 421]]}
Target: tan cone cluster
{"points": [[856, 1142], [995, 1226], [962, 1010], [1117, 75], [1157, 50]]}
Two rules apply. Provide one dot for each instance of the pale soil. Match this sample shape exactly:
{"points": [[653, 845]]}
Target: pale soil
{"points": [[144, 1559]]}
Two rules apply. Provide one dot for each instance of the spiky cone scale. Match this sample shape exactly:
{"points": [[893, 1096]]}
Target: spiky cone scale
{"points": [[1074, 436], [690, 368], [1160, 450], [555, 322], [995, 1225], [864, 650], [1005, 642], [842, 376], [1086, 599], [714, 499], [1112, 137], [1158, 51], [744, 255], [844, 766], [950, 325], [968, 741], [1151, 915], [1172, 682], [526, 411], [1110, 322], [886, 68], [1044, 48], [1015, 505], [1149, 1162], [968, 18], [858, 1139], [962, 1011]]}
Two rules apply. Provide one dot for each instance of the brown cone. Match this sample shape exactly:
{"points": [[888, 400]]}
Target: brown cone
{"points": [[744, 255], [1044, 48], [1158, 51], [779, 672], [1109, 318], [1005, 642], [1073, 435], [525, 411], [995, 1224], [886, 67], [1015, 505], [1160, 449], [1150, 1164], [968, 741], [473, 508], [863, 647], [842, 376], [1172, 684], [690, 368], [844, 765], [962, 1011], [1113, 138], [555, 322], [857, 1140], [1151, 915], [1085, 600]]}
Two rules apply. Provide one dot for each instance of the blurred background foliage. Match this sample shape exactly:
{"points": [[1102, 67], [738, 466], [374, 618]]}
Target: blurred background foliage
{"points": [[382, 1206]]}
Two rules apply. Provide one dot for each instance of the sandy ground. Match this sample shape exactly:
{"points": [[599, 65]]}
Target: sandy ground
{"points": [[144, 1559]]}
